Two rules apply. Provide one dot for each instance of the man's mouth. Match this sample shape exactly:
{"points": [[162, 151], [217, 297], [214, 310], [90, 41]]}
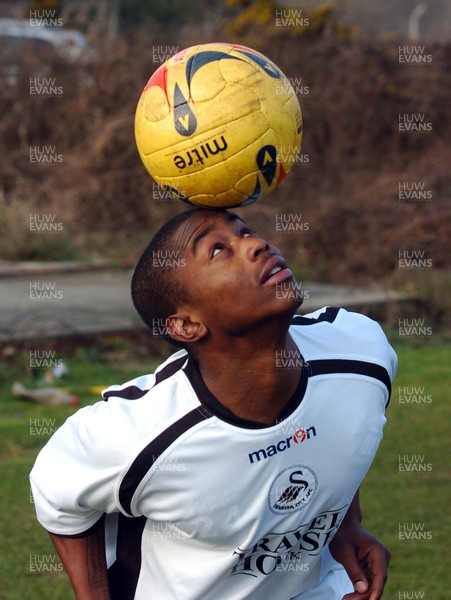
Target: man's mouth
{"points": [[275, 271]]}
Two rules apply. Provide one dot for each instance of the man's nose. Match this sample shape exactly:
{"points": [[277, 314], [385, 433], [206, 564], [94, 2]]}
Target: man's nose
{"points": [[256, 246]]}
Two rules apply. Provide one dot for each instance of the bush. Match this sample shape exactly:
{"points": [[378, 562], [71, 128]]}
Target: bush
{"points": [[347, 190]]}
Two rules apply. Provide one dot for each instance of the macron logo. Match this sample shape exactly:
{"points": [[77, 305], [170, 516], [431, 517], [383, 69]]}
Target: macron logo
{"points": [[299, 436]]}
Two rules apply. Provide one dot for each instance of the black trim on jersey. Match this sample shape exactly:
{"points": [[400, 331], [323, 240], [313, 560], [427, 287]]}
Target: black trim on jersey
{"points": [[133, 392], [213, 405], [170, 369], [337, 365], [328, 315], [124, 573], [146, 458], [309, 369]]}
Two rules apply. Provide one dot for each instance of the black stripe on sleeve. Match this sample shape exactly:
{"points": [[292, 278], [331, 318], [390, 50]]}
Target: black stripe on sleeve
{"points": [[323, 367], [146, 458], [133, 392], [329, 315]]}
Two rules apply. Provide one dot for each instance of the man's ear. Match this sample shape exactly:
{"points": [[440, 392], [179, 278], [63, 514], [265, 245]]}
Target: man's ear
{"points": [[181, 328]]}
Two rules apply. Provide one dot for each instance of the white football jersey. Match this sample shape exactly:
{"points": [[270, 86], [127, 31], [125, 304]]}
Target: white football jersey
{"points": [[203, 505]]}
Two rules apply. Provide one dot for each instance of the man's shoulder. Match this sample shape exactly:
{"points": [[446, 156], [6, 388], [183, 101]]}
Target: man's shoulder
{"points": [[327, 314], [333, 315], [141, 386], [133, 413], [336, 333]]}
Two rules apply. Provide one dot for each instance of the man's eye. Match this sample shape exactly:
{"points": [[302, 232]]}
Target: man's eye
{"points": [[246, 232], [216, 249]]}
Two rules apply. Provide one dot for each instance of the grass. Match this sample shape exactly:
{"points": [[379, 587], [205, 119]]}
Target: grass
{"points": [[390, 498], [24, 545]]}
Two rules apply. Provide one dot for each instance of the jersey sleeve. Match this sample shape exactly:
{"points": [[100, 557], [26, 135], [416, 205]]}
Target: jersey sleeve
{"points": [[74, 477], [355, 335], [373, 337]]}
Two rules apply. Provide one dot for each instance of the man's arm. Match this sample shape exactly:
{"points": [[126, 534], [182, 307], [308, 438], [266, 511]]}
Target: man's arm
{"points": [[363, 556], [84, 561]]}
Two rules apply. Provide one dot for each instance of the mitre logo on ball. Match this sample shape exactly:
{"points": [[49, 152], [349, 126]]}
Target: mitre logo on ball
{"points": [[214, 124]]}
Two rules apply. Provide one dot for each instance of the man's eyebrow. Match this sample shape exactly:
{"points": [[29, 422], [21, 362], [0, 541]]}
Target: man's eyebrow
{"points": [[199, 237]]}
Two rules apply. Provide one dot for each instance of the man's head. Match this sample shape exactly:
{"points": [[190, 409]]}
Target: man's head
{"points": [[206, 272]]}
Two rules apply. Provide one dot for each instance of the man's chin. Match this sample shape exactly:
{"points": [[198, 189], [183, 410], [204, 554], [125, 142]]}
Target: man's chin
{"points": [[289, 292]]}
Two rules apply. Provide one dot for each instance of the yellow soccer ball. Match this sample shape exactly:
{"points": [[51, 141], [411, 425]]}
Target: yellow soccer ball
{"points": [[219, 125]]}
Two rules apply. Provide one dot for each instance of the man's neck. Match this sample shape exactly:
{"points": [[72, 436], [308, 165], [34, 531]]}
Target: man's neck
{"points": [[248, 377]]}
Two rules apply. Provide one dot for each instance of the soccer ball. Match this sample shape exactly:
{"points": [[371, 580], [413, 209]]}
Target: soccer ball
{"points": [[218, 125]]}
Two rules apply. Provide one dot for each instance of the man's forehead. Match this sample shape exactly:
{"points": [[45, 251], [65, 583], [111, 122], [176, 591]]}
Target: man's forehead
{"points": [[199, 222]]}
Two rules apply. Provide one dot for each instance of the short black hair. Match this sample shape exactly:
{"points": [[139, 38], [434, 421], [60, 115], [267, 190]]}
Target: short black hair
{"points": [[156, 290]]}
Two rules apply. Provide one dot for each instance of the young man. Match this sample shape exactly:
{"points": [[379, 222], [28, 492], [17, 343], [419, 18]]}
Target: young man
{"points": [[232, 473]]}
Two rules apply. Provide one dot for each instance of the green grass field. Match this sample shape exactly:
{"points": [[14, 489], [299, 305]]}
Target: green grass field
{"points": [[415, 501]]}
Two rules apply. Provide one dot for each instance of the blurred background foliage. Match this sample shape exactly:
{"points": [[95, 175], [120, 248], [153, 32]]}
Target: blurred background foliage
{"points": [[353, 157]]}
